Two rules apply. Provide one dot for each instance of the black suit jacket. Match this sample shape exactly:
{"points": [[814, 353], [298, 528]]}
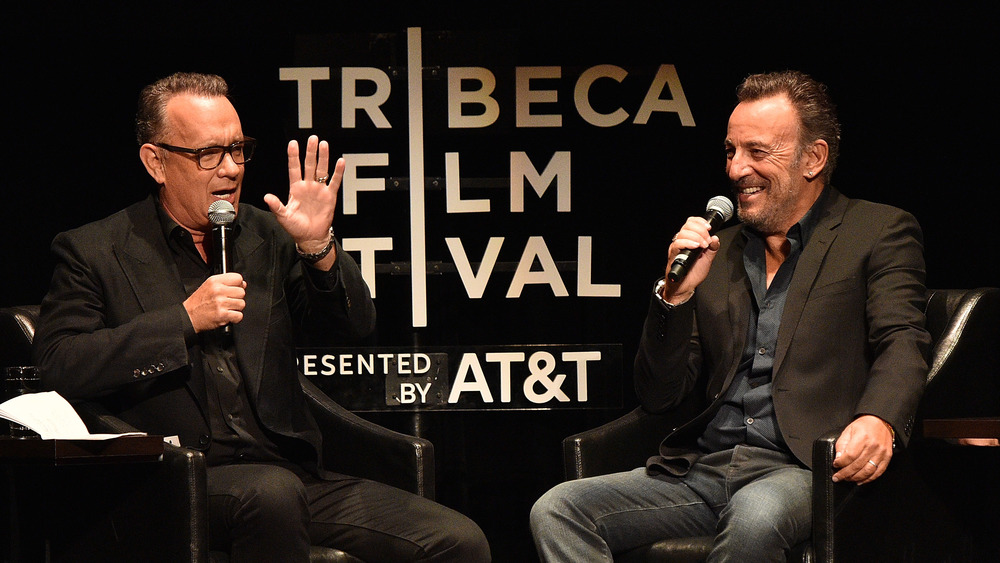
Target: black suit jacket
{"points": [[851, 341], [113, 327]]}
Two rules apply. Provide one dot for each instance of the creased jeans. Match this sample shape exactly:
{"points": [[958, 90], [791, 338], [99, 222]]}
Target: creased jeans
{"points": [[756, 502]]}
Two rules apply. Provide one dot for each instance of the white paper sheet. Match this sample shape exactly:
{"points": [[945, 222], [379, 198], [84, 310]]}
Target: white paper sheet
{"points": [[51, 416]]}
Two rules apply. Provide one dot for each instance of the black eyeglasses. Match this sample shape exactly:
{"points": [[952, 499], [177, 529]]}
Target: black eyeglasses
{"points": [[209, 158]]}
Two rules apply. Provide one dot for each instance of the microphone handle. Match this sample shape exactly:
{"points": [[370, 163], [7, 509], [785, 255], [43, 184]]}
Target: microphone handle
{"points": [[222, 245], [679, 269], [222, 261]]}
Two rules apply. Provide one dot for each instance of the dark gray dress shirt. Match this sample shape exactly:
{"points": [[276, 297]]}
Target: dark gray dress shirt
{"points": [[747, 412]]}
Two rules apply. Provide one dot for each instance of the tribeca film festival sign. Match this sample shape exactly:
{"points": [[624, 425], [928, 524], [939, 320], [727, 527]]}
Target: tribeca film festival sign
{"points": [[500, 377]]}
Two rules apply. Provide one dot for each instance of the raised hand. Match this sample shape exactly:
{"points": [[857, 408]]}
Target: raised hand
{"points": [[312, 195]]}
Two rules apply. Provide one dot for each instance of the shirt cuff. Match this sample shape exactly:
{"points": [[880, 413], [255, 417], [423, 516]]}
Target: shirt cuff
{"points": [[324, 280]]}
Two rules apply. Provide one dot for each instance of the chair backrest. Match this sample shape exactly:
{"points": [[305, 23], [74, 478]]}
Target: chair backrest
{"points": [[17, 330], [964, 376]]}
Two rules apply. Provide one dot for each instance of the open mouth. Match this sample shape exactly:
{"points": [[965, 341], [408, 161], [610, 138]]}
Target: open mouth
{"points": [[228, 195], [749, 185]]}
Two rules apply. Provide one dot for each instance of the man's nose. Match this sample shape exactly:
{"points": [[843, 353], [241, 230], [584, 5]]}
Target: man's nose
{"points": [[736, 166], [228, 167]]}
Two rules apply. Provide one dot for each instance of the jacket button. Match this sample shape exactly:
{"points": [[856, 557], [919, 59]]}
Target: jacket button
{"points": [[203, 440]]}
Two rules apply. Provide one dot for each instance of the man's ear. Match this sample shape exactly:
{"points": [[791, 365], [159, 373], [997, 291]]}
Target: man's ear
{"points": [[814, 158], [150, 157]]}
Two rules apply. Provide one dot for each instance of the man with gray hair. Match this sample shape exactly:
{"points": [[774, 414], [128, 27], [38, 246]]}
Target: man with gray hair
{"points": [[133, 317], [805, 318]]}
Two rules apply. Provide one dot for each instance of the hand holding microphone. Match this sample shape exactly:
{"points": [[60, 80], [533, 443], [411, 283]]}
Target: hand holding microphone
{"points": [[219, 301], [221, 214], [694, 238]]}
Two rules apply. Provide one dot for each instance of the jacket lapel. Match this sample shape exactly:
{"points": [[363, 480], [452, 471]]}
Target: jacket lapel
{"points": [[146, 262], [739, 302], [807, 270], [737, 308]]}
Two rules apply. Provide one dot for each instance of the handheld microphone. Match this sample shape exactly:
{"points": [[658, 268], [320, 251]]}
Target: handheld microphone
{"points": [[718, 211], [221, 214]]}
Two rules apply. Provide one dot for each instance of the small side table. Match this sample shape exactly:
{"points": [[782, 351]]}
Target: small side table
{"points": [[125, 449], [51, 483], [988, 427]]}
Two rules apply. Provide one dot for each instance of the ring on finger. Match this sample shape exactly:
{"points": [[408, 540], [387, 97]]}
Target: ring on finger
{"points": [[323, 179], [875, 465]]}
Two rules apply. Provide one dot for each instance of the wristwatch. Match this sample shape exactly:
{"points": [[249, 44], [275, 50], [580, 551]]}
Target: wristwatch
{"points": [[658, 292], [313, 257]]}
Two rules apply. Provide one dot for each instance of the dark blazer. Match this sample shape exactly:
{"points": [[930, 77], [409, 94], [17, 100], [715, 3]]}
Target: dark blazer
{"points": [[113, 327], [851, 341]]}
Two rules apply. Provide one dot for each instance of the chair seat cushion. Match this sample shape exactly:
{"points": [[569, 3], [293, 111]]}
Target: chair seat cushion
{"points": [[676, 550], [316, 555], [692, 550]]}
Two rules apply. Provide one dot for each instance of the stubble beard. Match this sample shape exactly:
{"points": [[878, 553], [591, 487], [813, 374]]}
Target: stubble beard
{"points": [[771, 215]]}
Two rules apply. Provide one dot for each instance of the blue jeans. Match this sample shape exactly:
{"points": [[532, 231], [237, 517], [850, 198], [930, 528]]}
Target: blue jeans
{"points": [[756, 502]]}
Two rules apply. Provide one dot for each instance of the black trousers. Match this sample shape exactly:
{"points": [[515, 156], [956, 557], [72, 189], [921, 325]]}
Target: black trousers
{"points": [[264, 512]]}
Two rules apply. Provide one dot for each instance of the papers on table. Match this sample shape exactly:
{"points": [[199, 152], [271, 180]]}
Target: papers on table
{"points": [[52, 417]]}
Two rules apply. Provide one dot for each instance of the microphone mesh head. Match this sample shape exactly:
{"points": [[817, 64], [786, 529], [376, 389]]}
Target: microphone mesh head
{"points": [[722, 205], [221, 212]]}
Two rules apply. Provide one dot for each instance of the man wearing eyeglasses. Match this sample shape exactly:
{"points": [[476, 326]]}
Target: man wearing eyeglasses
{"points": [[131, 320]]}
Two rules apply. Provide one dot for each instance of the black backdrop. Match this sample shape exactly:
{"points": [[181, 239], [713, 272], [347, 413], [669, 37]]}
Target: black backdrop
{"points": [[913, 86]]}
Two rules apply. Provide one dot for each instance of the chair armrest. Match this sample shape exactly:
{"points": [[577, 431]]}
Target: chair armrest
{"points": [[162, 512], [179, 494], [855, 522], [828, 497], [99, 420], [620, 445], [358, 447]]}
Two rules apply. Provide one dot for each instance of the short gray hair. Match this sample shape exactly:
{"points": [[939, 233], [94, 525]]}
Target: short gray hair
{"points": [[151, 117]]}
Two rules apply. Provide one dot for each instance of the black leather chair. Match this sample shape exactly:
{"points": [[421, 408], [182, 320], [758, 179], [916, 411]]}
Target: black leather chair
{"points": [[906, 515], [159, 512]]}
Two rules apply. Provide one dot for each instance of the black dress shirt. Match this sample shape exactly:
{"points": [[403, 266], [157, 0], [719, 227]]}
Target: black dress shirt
{"points": [[237, 434]]}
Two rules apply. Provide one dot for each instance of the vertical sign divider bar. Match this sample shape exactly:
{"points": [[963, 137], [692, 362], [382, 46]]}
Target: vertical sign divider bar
{"points": [[418, 231]]}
